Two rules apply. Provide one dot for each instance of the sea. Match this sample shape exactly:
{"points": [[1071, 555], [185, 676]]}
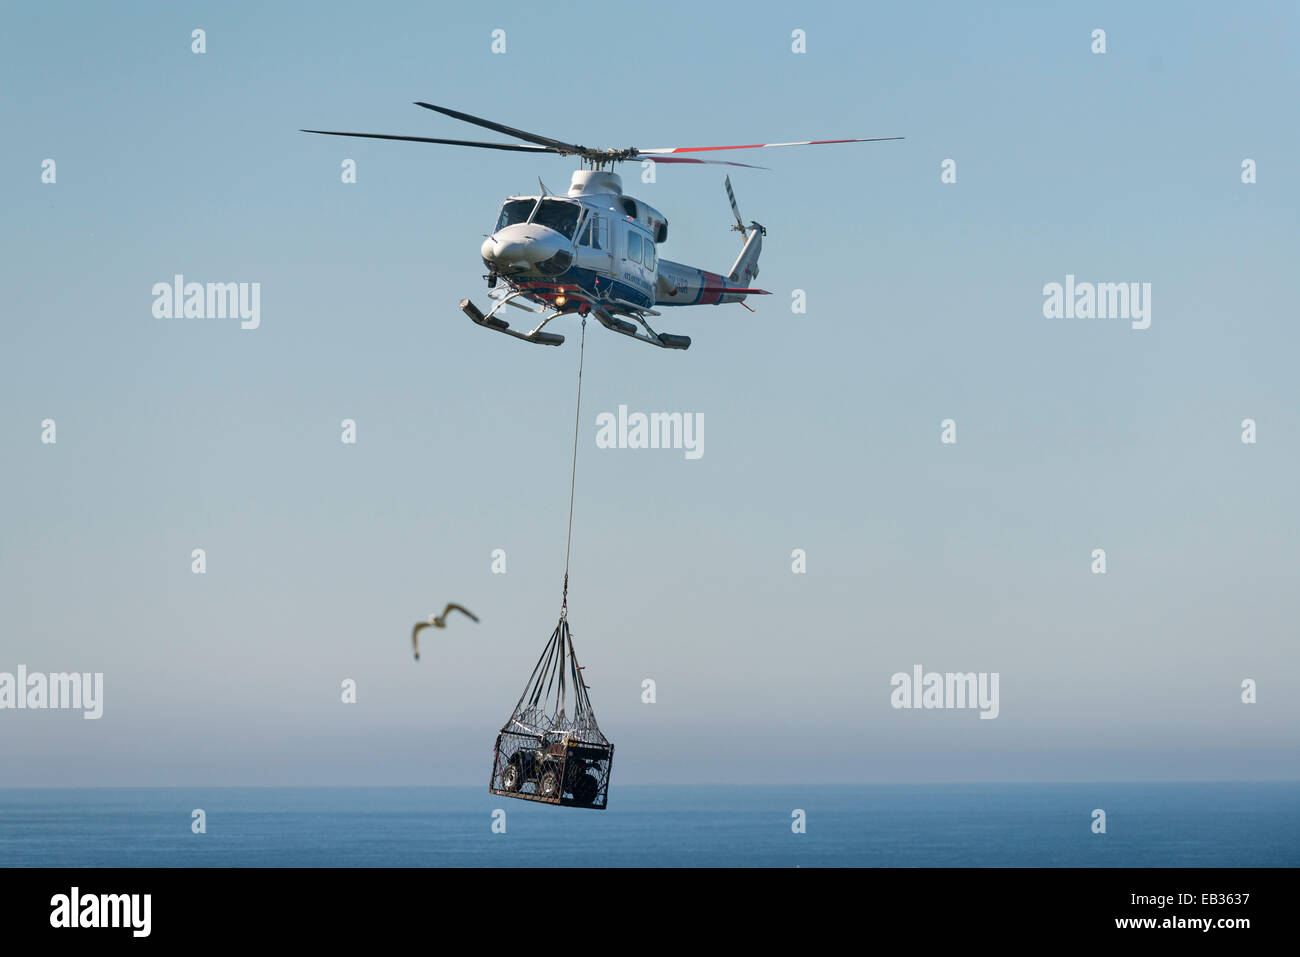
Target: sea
{"points": [[950, 825]]}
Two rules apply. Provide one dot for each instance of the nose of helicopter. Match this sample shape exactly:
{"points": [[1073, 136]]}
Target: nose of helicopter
{"points": [[527, 247]]}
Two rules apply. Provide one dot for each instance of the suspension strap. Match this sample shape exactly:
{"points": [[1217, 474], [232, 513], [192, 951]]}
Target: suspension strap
{"points": [[573, 476]]}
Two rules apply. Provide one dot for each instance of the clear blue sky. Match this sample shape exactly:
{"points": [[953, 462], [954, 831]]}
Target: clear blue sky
{"points": [[822, 429]]}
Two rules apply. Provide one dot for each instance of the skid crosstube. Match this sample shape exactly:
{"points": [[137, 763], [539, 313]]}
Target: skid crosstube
{"points": [[663, 340], [500, 325]]}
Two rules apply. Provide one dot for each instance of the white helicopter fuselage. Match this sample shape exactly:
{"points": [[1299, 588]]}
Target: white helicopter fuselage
{"points": [[597, 246]]}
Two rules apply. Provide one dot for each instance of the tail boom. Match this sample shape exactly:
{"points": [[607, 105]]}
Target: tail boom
{"points": [[681, 285]]}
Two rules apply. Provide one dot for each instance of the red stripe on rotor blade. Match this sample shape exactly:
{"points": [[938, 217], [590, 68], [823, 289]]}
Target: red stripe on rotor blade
{"points": [[686, 159], [697, 149], [755, 146]]}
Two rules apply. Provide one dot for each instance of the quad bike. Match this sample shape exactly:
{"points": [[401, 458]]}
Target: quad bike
{"points": [[555, 768]]}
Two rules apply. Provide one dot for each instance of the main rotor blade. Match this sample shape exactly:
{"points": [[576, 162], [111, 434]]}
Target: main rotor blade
{"points": [[691, 159], [759, 146], [508, 130], [520, 148]]}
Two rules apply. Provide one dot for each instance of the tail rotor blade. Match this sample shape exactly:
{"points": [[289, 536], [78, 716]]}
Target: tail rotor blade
{"points": [[740, 224]]}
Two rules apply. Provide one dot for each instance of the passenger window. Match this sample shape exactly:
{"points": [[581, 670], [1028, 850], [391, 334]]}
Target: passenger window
{"points": [[649, 256], [634, 245], [597, 232]]}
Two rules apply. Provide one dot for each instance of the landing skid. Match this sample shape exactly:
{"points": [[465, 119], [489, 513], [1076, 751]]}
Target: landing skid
{"points": [[603, 313], [663, 340], [490, 321]]}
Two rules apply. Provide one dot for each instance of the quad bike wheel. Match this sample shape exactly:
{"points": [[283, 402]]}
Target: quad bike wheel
{"points": [[548, 784], [511, 777], [585, 789]]}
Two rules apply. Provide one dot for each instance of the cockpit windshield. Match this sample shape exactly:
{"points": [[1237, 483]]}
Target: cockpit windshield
{"points": [[559, 215], [515, 211]]}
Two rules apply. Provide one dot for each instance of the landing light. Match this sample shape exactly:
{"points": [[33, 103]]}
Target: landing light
{"points": [[559, 300]]}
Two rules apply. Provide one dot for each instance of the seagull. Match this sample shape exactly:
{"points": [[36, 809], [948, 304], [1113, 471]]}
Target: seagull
{"points": [[437, 621]]}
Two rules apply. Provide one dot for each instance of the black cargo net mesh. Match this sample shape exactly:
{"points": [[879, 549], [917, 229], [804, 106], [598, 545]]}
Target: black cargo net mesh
{"points": [[551, 749]]}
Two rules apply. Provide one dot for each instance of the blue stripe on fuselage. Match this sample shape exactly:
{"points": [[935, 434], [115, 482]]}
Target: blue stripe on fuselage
{"points": [[585, 279]]}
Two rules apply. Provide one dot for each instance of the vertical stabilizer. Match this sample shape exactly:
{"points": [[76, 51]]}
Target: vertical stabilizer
{"points": [[745, 271]]}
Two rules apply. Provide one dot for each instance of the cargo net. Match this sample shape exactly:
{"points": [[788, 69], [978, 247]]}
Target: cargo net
{"points": [[551, 749]]}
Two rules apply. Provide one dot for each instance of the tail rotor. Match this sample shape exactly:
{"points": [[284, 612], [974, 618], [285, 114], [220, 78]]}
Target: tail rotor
{"points": [[735, 210]]}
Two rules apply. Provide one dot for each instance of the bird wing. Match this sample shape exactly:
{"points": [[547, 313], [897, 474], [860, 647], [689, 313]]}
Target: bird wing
{"points": [[415, 637], [463, 611]]}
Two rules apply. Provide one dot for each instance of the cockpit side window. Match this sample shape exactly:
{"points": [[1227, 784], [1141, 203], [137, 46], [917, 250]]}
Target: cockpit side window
{"points": [[558, 215], [514, 211], [593, 232]]}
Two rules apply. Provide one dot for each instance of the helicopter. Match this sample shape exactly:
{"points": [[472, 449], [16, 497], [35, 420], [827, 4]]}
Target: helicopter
{"points": [[594, 250]]}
